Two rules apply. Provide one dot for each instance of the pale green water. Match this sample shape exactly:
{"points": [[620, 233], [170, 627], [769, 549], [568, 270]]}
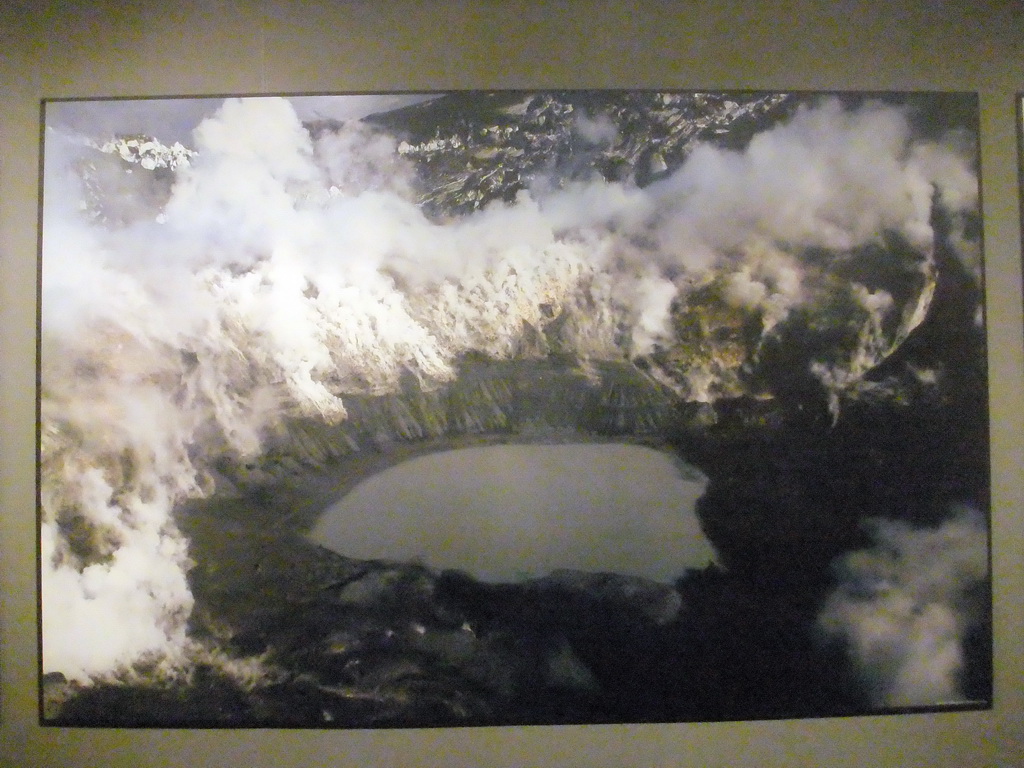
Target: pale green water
{"points": [[510, 512]]}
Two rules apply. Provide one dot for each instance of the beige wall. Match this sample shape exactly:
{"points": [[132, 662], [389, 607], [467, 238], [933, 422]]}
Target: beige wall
{"points": [[79, 48]]}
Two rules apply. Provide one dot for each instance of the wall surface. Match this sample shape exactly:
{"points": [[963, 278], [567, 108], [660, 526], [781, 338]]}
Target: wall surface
{"points": [[193, 47]]}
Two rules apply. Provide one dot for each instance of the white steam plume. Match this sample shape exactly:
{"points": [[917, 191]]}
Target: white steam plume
{"points": [[830, 178], [276, 272], [903, 608]]}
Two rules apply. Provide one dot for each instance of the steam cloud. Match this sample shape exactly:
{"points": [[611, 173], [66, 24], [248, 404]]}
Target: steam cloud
{"points": [[904, 607], [274, 273]]}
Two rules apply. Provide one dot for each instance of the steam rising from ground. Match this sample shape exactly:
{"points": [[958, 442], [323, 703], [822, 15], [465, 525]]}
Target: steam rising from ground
{"points": [[904, 607], [277, 272]]}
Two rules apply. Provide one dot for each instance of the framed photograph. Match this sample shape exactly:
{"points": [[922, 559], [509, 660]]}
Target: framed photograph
{"points": [[406, 410]]}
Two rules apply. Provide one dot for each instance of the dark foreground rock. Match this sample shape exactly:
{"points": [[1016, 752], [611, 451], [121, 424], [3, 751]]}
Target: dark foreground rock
{"points": [[390, 645]]}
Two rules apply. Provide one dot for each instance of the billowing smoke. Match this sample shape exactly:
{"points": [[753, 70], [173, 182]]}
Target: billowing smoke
{"points": [[903, 608], [830, 178], [190, 307]]}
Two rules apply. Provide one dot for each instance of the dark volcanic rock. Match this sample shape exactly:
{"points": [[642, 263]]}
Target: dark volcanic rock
{"points": [[791, 484], [626, 598], [472, 150]]}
